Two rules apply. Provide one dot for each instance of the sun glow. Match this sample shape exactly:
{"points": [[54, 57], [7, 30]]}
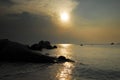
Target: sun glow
{"points": [[65, 45], [65, 50], [64, 16]]}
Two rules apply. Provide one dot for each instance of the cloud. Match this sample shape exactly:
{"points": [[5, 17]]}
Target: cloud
{"points": [[27, 26], [6, 2], [45, 7]]}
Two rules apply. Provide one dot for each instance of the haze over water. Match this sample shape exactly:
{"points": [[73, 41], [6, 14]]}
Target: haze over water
{"points": [[62, 21], [92, 62]]}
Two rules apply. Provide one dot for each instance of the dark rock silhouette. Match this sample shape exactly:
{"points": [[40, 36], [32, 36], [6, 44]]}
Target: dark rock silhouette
{"points": [[42, 45], [63, 59], [81, 44], [112, 43], [13, 51]]}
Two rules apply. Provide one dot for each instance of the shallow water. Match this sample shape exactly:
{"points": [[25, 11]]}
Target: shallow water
{"points": [[92, 62]]}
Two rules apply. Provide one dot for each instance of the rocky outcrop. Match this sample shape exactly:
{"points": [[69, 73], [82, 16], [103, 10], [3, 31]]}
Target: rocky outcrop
{"points": [[63, 59], [42, 45], [13, 51]]}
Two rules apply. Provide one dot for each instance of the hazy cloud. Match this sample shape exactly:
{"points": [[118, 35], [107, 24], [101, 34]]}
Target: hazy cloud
{"points": [[6, 2], [32, 20], [46, 7]]}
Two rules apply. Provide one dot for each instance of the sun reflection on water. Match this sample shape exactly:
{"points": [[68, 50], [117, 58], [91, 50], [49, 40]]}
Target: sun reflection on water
{"points": [[65, 45], [65, 73], [65, 50]]}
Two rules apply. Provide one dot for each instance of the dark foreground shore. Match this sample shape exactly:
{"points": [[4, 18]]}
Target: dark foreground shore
{"points": [[13, 51]]}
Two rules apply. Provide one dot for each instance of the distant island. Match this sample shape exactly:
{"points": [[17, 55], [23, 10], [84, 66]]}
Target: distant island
{"points": [[14, 51]]}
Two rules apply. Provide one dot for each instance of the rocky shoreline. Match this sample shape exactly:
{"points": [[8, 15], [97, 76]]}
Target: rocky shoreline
{"points": [[14, 51]]}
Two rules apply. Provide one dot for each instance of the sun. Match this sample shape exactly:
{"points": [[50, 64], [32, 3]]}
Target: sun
{"points": [[64, 17]]}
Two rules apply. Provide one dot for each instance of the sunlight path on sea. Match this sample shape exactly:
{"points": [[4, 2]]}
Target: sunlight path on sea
{"points": [[65, 72], [62, 71], [65, 50]]}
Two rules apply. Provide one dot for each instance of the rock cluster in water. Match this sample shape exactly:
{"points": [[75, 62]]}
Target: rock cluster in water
{"points": [[42, 45]]}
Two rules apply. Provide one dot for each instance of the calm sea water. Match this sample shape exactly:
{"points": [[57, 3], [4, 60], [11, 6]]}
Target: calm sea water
{"points": [[92, 62]]}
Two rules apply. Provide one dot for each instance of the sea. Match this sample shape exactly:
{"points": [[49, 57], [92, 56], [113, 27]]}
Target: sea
{"points": [[92, 62]]}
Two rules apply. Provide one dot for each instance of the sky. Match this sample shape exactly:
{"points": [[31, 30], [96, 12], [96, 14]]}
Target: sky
{"points": [[89, 21]]}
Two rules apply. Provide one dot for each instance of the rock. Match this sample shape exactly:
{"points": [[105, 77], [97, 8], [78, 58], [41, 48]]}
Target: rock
{"points": [[81, 44], [13, 51], [42, 45], [3, 43], [112, 43], [36, 47], [63, 59], [54, 46]]}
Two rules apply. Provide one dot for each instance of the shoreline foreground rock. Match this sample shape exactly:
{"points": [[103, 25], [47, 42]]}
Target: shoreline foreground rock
{"points": [[13, 51]]}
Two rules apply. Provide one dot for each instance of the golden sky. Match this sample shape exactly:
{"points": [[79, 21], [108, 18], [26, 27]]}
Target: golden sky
{"points": [[60, 21]]}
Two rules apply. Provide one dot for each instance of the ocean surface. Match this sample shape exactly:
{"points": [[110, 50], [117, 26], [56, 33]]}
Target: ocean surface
{"points": [[92, 62]]}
